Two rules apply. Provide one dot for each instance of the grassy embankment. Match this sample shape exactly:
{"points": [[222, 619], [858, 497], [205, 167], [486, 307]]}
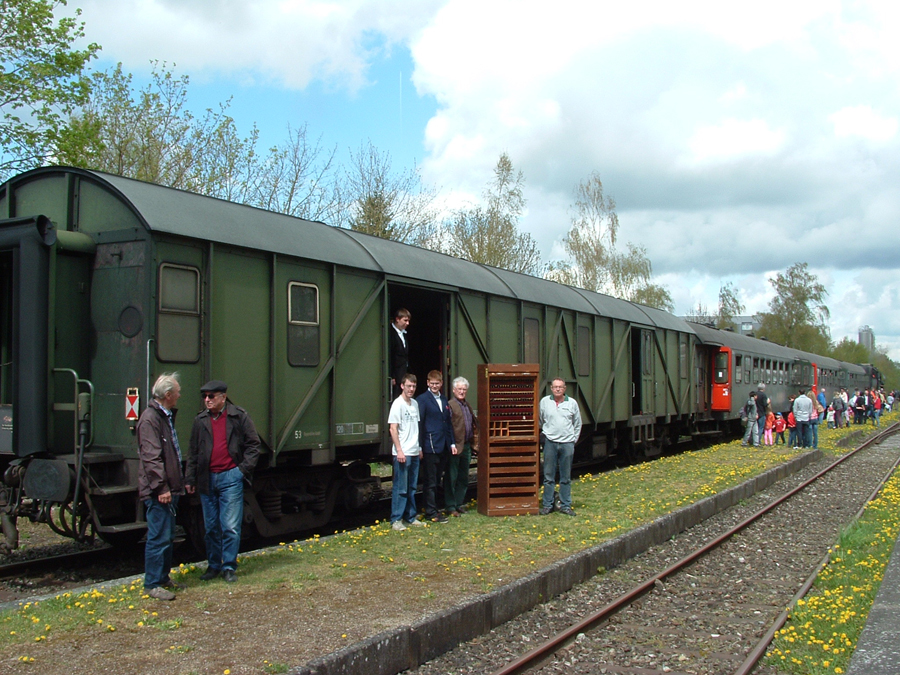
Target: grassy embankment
{"points": [[473, 553]]}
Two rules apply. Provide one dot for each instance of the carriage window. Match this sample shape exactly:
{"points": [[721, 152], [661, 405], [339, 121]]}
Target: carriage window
{"points": [[178, 319], [532, 340], [303, 324], [747, 369], [721, 373], [756, 371], [584, 351], [738, 370]]}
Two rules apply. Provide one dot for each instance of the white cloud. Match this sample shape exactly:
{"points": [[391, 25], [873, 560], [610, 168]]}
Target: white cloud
{"points": [[863, 122], [734, 139]]}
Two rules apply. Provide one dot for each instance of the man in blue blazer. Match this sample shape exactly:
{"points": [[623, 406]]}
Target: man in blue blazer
{"points": [[436, 439]]}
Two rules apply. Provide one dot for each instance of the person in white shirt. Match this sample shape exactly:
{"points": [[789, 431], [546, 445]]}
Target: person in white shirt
{"points": [[403, 421]]}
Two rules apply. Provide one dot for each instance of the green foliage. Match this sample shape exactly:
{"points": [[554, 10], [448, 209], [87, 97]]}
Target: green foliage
{"points": [[850, 351], [490, 234], [41, 79], [797, 314]]}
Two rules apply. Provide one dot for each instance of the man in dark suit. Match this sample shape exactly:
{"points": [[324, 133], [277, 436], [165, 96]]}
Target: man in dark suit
{"points": [[399, 349], [436, 439]]}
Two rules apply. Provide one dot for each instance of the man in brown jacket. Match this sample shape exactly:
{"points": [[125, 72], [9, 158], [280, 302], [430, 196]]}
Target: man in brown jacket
{"points": [[465, 426], [160, 483]]}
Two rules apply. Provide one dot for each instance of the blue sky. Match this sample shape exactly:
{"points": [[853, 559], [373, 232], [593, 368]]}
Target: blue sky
{"points": [[737, 139]]}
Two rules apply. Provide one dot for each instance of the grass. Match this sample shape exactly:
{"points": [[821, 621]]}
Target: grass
{"points": [[474, 553], [824, 627]]}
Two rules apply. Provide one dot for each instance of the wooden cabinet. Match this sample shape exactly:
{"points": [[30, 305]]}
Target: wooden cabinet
{"points": [[508, 452]]}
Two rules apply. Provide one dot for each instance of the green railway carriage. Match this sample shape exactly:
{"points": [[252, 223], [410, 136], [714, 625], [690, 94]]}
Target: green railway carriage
{"points": [[107, 282]]}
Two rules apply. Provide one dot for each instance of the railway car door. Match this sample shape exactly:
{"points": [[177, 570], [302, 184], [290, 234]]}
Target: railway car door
{"points": [[428, 330], [642, 372]]}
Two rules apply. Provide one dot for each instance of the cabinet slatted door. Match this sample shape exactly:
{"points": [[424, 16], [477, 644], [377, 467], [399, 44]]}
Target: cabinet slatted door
{"points": [[508, 453]]}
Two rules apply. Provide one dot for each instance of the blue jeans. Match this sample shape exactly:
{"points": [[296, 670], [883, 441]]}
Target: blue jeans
{"points": [[558, 456], [803, 433], [403, 490], [223, 510], [814, 433], [160, 535]]}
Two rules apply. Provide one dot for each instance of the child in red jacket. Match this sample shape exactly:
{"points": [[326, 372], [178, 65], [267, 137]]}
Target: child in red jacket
{"points": [[780, 426], [793, 436]]}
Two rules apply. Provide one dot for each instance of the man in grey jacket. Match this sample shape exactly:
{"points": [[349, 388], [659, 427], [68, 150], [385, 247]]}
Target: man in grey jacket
{"points": [[560, 420]]}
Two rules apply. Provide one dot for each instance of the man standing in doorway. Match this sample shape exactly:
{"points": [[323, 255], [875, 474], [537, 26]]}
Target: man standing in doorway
{"points": [[224, 452], [560, 420], [160, 483], [399, 349]]}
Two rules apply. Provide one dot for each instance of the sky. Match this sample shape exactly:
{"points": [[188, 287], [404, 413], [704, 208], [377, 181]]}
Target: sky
{"points": [[736, 138]]}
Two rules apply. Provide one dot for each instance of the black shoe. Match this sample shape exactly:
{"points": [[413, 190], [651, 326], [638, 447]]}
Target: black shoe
{"points": [[546, 510], [230, 576], [440, 518], [209, 574], [567, 511], [462, 509]]}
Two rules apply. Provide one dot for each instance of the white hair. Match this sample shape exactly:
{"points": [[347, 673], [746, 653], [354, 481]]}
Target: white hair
{"points": [[460, 381], [164, 384]]}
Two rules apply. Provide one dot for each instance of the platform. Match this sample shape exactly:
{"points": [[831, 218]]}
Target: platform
{"points": [[878, 649]]}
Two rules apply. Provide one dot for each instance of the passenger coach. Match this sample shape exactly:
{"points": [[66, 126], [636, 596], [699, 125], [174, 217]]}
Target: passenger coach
{"points": [[107, 282]]}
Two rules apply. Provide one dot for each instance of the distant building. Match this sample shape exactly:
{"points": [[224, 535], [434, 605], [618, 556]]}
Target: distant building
{"points": [[867, 337], [746, 325]]}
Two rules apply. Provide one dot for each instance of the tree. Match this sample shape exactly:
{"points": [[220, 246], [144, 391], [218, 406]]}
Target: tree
{"points": [[729, 306], [152, 135], [41, 79], [701, 314], [797, 314], [850, 351], [489, 234], [595, 262], [380, 201]]}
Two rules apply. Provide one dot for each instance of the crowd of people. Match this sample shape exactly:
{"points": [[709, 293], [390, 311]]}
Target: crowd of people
{"points": [[806, 411]]}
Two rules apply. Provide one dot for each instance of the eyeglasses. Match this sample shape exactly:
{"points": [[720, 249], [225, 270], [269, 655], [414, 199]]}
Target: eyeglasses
{"points": [[209, 394]]}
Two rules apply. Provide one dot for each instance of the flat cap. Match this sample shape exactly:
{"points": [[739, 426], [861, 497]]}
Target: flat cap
{"points": [[214, 386]]}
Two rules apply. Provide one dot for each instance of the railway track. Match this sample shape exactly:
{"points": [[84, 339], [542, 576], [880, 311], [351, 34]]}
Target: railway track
{"points": [[706, 602]]}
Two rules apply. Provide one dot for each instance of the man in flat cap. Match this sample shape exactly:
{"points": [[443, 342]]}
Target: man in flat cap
{"points": [[224, 452]]}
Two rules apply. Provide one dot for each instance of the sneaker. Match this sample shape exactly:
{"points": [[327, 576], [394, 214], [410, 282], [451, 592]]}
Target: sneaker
{"points": [[462, 510], [546, 510], [454, 514], [415, 522], [440, 518], [173, 585], [230, 576], [567, 511], [398, 525], [161, 593], [210, 574]]}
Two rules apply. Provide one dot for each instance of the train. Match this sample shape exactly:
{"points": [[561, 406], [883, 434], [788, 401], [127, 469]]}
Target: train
{"points": [[107, 282]]}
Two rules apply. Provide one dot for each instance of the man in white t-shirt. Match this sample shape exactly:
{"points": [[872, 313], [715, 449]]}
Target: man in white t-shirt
{"points": [[404, 425]]}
